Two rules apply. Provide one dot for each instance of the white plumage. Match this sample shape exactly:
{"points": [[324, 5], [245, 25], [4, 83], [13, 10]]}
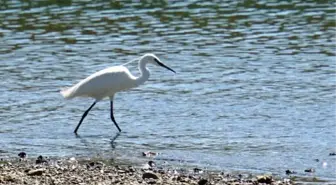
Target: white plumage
{"points": [[102, 84], [107, 82]]}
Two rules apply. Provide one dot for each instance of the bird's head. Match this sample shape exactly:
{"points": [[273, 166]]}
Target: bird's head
{"points": [[152, 59]]}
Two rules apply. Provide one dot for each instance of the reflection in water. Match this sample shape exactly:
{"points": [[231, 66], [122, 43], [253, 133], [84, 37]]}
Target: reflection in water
{"points": [[113, 139], [88, 143]]}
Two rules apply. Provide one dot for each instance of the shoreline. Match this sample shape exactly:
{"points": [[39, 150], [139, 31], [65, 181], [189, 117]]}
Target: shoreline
{"points": [[101, 171]]}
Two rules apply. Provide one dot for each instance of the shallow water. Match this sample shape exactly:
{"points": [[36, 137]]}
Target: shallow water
{"points": [[254, 89]]}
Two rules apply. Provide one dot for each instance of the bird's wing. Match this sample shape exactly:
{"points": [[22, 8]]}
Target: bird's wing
{"points": [[99, 84]]}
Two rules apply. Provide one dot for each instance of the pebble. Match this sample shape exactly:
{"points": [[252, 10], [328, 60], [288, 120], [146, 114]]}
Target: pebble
{"points": [[202, 182], [148, 175], [37, 172], [131, 169], [94, 164], [288, 172], [161, 171], [121, 171], [22, 155], [151, 181], [181, 179], [265, 179], [7, 177], [310, 170], [197, 170], [148, 154], [151, 164], [41, 160]]}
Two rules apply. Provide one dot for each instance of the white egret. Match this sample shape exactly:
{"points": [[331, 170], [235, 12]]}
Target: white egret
{"points": [[107, 82]]}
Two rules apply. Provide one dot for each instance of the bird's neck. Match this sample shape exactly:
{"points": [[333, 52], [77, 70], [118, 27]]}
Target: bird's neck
{"points": [[144, 73]]}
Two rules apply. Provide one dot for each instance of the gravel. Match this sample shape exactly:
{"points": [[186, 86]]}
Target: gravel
{"points": [[73, 171]]}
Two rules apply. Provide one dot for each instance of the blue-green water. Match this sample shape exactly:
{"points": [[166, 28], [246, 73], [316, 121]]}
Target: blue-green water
{"points": [[254, 89]]}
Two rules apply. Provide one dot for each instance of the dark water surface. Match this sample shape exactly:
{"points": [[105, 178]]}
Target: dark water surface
{"points": [[254, 89]]}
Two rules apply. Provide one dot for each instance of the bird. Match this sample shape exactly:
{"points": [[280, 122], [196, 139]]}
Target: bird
{"points": [[109, 81]]}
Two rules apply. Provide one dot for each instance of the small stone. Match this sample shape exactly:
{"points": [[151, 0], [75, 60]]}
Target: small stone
{"points": [[121, 171], [286, 180], [151, 181], [202, 182], [310, 170], [192, 177], [288, 172], [181, 179], [317, 160], [148, 154], [265, 179], [116, 181], [7, 178], [95, 165], [197, 170], [131, 169], [41, 160], [151, 164], [22, 155], [148, 175], [37, 172]]}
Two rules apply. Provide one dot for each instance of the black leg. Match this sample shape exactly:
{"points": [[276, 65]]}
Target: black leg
{"points": [[84, 115], [112, 117]]}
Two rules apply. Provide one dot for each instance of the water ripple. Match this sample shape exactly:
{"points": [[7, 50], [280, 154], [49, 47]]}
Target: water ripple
{"points": [[255, 81]]}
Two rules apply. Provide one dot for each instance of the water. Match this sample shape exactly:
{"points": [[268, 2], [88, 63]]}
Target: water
{"points": [[254, 89]]}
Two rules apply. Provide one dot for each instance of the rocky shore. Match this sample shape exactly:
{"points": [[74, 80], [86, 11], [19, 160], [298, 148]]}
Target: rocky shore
{"points": [[99, 171]]}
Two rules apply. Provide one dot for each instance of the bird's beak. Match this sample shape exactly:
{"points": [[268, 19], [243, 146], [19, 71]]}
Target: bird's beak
{"points": [[162, 65]]}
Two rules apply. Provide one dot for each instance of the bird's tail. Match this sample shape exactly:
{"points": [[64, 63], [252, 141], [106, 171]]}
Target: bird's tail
{"points": [[67, 92]]}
